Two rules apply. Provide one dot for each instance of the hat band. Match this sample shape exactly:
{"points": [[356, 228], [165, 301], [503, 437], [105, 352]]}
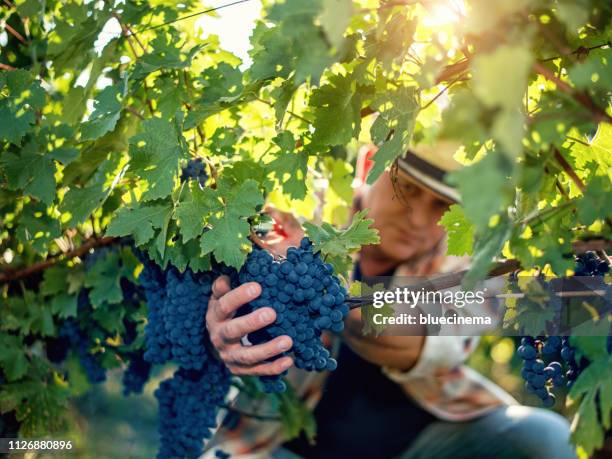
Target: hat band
{"points": [[427, 174]]}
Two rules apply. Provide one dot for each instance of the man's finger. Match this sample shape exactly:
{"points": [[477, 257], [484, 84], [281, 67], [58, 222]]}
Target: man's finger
{"points": [[221, 286], [233, 299], [235, 329], [264, 369], [258, 354]]}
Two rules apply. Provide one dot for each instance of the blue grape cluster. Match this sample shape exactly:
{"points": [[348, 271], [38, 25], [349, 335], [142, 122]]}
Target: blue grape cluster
{"points": [[540, 377], [188, 407], [177, 309], [184, 314], [80, 341], [307, 298], [550, 361], [194, 169], [220, 454], [136, 375], [590, 264], [153, 282]]}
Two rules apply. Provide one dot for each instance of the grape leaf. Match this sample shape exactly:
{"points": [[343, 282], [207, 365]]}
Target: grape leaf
{"points": [[107, 110], [103, 279], [335, 18], [486, 246], [459, 230], [491, 174], [230, 231], [32, 172], [64, 305], [393, 128], [192, 211], [164, 55], [338, 243], [155, 153], [493, 84], [290, 168], [82, 202], [593, 388], [139, 222], [596, 202], [337, 106], [14, 123], [13, 358]]}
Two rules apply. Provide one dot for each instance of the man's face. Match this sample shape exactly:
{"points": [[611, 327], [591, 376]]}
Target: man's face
{"points": [[406, 217]]}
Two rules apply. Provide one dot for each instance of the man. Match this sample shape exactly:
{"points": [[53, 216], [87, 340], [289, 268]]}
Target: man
{"points": [[391, 396]]}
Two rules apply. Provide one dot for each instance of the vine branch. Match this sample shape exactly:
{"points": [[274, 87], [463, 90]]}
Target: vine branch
{"points": [[15, 274], [445, 281]]}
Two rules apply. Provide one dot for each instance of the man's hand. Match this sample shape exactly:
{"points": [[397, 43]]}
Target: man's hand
{"points": [[226, 331], [398, 352]]}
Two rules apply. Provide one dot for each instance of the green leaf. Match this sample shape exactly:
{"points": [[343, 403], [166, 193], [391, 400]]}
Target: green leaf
{"points": [[338, 243], [54, 280], [290, 168], [14, 123], [393, 128], [64, 305], [155, 153], [593, 388], [459, 230], [491, 174], [337, 106], [226, 238], [487, 245], [191, 212], [296, 416], [164, 55], [496, 83], [32, 172], [230, 231], [13, 358], [335, 18], [596, 203], [107, 110], [139, 222], [103, 278], [82, 202]]}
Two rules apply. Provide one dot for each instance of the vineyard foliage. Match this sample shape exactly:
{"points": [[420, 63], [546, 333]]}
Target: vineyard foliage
{"points": [[102, 105]]}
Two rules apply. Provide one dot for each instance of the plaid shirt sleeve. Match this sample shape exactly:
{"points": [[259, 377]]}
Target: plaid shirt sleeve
{"points": [[439, 382]]}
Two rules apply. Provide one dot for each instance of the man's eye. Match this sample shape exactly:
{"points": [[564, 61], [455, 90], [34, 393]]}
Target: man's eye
{"points": [[442, 204], [409, 188]]}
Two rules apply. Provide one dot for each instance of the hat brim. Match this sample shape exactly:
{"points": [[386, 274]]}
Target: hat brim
{"points": [[427, 175]]}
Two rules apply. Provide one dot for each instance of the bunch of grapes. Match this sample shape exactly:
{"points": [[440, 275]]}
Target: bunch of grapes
{"points": [[307, 298], [177, 310], [153, 281], [80, 341], [188, 407], [195, 169], [136, 375], [184, 313], [550, 361]]}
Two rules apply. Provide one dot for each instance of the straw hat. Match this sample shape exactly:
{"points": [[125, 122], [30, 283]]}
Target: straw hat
{"points": [[428, 165]]}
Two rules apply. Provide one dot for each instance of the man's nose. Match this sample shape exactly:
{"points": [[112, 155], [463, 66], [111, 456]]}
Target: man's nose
{"points": [[420, 217]]}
